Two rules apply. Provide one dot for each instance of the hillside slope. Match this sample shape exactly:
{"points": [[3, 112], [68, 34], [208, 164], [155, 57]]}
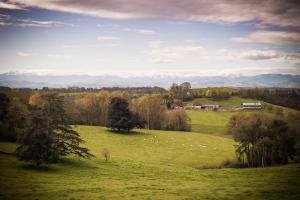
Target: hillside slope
{"points": [[148, 165]]}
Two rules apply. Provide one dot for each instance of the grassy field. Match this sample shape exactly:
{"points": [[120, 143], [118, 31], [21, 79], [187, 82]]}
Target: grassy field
{"points": [[215, 123], [146, 165], [227, 103], [210, 122]]}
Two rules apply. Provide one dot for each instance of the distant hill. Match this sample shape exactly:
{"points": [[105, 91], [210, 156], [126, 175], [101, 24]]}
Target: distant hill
{"points": [[165, 81]]}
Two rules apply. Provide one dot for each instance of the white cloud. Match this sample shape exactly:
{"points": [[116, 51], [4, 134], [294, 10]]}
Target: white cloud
{"points": [[260, 55], [271, 37], [154, 44], [159, 54], [8, 20], [124, 28], [169, 54], [146, 31], [104, 60], [107, 38], [23, 54], [59, 56], [10, 6], [275, 12]]}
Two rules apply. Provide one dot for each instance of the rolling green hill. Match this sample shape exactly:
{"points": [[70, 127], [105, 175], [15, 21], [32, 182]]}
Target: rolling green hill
{"points": [[210, 122], [146, 165], [214, 123]]}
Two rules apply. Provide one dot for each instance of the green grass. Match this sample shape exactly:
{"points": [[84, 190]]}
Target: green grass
{"points": [[227, 103], [162, 147], [147, 165], [215, 123], [210, 122]]}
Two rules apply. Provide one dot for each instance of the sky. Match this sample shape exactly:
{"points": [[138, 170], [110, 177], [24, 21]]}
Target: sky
{"points": [[139, 37]]}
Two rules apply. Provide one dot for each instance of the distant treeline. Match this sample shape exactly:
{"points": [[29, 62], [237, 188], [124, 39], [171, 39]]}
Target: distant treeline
{"points": [[287, 97], [177, 94], [91, 108]]}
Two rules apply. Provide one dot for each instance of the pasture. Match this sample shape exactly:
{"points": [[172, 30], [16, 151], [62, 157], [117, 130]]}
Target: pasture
{"points": [[146, 165], [215, 122]]}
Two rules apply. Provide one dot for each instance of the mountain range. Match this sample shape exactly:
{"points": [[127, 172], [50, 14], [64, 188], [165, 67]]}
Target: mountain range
{"points": [[29, 80]]}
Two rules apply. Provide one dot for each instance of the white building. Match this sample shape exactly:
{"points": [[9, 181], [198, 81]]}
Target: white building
{"points": [[251, 106]]}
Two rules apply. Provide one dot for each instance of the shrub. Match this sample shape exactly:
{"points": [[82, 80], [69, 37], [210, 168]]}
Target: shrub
{"points": [[177, 120]]}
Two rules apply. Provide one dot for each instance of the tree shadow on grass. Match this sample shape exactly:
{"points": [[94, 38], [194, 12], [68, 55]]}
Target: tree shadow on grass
{"points": [[42, 168], [56, 167], [129, 133], [77, 162]]}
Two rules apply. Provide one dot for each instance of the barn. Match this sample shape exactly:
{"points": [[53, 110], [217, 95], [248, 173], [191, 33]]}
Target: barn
{"points": [[251, 106]]}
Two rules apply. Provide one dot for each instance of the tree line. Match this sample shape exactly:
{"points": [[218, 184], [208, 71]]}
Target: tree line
{"points": [[265, 140]]}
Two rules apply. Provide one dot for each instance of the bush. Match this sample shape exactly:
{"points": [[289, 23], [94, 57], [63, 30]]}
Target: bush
{"points": [[177, 120], [232, 164]]}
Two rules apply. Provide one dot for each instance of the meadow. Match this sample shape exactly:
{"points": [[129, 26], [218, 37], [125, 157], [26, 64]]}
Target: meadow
{"points": [[150, 164], [215, 122], [146, 165]]}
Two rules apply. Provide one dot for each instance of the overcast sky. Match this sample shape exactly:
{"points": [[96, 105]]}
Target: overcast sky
{"points": [[154, 37]]}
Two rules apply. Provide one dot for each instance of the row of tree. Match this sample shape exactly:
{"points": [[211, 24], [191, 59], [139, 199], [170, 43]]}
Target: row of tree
{"points": [[264, 140], [287, 97], [93, 109]]}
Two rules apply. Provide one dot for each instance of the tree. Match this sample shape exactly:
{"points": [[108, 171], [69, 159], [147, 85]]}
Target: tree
{"points": [[294, 126], [151, 110], [37, 145], [103, 103], [90, 109], [14, 118], [18, 119], [51, 137], [4, 103], [181, 92], [177, 120], [120, 118], [168, 100], [262, 140]]}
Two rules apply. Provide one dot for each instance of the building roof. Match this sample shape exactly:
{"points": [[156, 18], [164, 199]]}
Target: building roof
{"points": [[251, 104]]}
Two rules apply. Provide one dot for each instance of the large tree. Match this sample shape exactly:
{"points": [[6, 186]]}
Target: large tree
{"points": [[262, 140], [51, 137], [120, 118]]}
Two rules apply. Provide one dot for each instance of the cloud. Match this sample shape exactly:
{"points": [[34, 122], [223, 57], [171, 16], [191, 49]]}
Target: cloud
{"points": [[166, 54], [59, 56], [169, 54], [260, 55], [104, 60], [124, 28], [8, 20], [275, 12], [146, 31], [23, 54], [271, 37], [10, 6], [154, 44], [107, 38], [114, 26]]}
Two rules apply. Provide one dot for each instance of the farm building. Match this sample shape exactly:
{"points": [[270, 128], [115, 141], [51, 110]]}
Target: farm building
{"points": [[210, 107], [251, 106], [203, 107], [192, 107]]}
